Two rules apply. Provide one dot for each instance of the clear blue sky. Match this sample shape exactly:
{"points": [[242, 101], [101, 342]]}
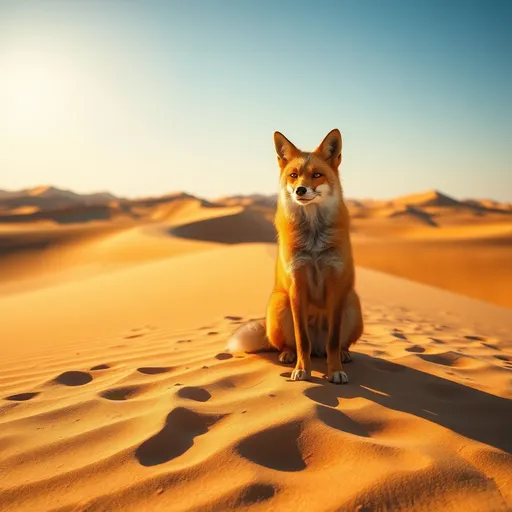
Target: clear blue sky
{"points": [[143, 97]]}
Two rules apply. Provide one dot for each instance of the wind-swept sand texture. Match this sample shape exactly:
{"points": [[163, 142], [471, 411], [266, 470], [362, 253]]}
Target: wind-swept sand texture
{"points": [[117, 393]]}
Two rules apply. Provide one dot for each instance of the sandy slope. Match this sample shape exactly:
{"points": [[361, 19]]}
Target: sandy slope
{"points": [[116, 392], [478, 266], [38, 255]]}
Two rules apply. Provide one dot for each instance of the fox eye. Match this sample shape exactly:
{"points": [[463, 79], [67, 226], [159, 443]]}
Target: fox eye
{"points": [[293, 175], [317, 175]]}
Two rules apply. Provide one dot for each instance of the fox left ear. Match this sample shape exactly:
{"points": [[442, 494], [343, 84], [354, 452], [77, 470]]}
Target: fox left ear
{"points": [[330, 148]]}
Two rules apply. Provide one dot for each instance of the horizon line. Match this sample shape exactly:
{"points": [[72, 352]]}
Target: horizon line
{"points": [[242, 195]]}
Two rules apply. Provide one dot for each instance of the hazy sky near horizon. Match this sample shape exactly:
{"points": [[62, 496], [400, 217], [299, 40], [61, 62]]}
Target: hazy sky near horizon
{"points": [[147, 97]]}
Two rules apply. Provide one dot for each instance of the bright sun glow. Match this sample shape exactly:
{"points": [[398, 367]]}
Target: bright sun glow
{"points": [[38, 91]]}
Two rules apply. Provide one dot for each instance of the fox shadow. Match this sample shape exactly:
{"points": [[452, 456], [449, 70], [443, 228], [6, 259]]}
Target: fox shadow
{"points": [[464, 410]]}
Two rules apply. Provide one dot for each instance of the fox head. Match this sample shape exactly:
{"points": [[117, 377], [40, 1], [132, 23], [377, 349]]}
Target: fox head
{"points": [[309, 178]]}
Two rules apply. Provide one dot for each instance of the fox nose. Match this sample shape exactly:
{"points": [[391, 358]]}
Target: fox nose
{"points": [[300, 191]]}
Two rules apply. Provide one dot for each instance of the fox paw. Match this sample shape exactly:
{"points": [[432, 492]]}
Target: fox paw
{"points": [[287, 357], [338, 377], [301, 374], [346, 357]]}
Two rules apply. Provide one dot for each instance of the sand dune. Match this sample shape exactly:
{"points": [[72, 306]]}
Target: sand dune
{"points": [[51, 198], [117, 392], [477, 267], [42, 255], [135, 400], [245, 226], [427, 198]]}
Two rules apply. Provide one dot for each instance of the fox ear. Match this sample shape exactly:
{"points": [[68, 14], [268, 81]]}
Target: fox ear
{"points": [[285, 149], [330, 148]]}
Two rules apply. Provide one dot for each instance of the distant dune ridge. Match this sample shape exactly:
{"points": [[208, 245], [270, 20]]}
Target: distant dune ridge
{"points": [[47, 197], [117, 391], [430, 208], [429, 237], [51, 197]]}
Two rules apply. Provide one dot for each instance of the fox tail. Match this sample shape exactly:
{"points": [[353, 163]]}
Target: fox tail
{"points": [[250, 337]]}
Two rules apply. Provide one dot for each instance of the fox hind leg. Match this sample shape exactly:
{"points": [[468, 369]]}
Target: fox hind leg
{"points": [[352, 325], [280, 327]]}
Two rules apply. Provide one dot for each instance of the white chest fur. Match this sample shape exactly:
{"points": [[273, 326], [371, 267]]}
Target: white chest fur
{"points": [[315, 247]]}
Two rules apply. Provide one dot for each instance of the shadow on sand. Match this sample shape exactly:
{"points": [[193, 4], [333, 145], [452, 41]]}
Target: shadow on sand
{"points": [[248, 226], [464, 410]]}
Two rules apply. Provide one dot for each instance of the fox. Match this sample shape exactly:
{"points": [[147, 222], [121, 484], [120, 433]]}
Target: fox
{"points": [[313, 308]]}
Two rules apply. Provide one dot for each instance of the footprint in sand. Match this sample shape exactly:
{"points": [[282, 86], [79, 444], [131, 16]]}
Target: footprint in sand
{"points": [[233, 318], [418, 349], [275, 448], [322, 395], [100, 367], [121, 393], [340, 421], [223, 356], [474, 338], [192, 393], [176, 437], [154, 370], [73, 378], [21, 397], [254, 493]]}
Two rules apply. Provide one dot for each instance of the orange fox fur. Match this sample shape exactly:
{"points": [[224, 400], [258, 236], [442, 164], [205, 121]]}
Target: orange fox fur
{"points": [[314, 308]]}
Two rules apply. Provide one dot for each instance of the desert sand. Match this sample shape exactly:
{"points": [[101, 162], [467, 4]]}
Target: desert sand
{"points": [[117, 392]]}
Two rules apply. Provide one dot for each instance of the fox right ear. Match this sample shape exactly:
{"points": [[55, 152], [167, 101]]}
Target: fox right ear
{"points": [[330, 148], [285, 149]]}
